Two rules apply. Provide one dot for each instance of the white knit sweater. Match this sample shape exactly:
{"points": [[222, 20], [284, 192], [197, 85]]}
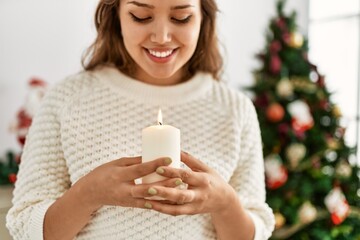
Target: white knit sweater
{"points": [[95, 117]]}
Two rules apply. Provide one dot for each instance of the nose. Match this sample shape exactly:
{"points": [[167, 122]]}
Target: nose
{"points": [[161, 33]]}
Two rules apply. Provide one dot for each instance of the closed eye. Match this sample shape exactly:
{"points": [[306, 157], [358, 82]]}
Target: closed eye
{"points": [[141, 20], [182, 21]]}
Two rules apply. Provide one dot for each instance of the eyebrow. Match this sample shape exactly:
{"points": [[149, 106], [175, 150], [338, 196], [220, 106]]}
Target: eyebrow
{"points": [[181, 7], [139, 4]]}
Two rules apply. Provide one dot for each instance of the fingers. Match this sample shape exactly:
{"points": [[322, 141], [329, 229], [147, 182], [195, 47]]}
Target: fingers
{"points": [[128, 161], [147, 190], [139, 170], [173, 195], [170, 209], [174, 210], [142, 203], [193, 163], [187, 176]]}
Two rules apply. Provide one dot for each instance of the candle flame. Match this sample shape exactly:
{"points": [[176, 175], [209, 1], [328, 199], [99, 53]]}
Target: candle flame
{"points": [[160, 120]]}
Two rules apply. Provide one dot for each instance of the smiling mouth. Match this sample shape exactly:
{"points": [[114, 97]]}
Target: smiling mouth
{"points": [[161, 54]]}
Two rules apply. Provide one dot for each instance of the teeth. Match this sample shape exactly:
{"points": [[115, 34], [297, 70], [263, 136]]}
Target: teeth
{"points": [[160, 54]]}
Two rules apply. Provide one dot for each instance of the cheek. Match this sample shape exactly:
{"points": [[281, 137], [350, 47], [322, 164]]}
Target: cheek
{"points": [[189, 37], [130, 35]]}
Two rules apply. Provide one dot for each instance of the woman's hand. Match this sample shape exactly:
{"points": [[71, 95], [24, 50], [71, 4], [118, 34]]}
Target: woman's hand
{"points": [[114, 183], [207, 192]]}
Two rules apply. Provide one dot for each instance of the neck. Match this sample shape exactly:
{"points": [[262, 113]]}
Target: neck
{"points": [[177, 78]]}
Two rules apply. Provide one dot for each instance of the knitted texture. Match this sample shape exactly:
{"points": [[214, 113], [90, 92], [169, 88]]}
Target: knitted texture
{"points": [[92, 118]]}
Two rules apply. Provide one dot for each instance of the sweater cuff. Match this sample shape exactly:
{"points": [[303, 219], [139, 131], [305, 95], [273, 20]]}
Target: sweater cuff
{"points": [[258, 225], [37, 220]]}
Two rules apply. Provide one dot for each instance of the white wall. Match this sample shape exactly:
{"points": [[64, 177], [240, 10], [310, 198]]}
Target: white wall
{"points": [[243, 25], [45, 38]]}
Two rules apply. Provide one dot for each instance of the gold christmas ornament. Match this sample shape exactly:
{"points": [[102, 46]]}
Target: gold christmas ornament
{"points": [[307, 213], [279, 220], [337, 112], [285, 88], [333, 143], [296, 40], [343, 169], [295, 153]]}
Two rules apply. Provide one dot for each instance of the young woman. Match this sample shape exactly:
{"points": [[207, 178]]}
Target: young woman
{"points": [[82, 154]]}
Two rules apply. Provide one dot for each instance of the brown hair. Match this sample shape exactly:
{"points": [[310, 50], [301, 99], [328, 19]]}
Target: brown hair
{"points": [[109, 49]]}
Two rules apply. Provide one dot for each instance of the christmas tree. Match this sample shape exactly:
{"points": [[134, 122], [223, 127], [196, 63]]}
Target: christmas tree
{"points": [[9, 164], [312, 176], [8, 168]]}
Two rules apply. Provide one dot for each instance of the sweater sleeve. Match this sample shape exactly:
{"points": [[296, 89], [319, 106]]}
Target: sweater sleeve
{"points": [[248, 179], [43, 174]]}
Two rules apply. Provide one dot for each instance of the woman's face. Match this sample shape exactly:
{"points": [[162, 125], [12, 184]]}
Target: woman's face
{"points": [[160, 36]]}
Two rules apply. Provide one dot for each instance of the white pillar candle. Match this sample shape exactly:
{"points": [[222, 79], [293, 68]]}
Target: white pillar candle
{"points": [[160, 141]]}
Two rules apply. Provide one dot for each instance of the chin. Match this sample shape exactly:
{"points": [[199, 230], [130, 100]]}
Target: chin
{"points": [[162, 75]]}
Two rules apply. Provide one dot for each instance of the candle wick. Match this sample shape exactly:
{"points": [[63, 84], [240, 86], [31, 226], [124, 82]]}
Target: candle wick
{"points": [[160, 123]]}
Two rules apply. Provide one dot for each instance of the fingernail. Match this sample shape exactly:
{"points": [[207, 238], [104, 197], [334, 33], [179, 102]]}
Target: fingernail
{"points": [[148, 205], [152, 191], [160, 170], [178, 182], [168, 161]]}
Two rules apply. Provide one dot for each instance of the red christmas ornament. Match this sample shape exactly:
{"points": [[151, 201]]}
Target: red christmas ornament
{"points": [[37, 82], [275, 112], [337, 205], [286, 37], [276, 173], [281, 23], [283, 129], [12, 177], [302, 119], [261, 101], [25, 115], [276, 183], [301, 127], [275, 46], [275, 64], [24, 122]]}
